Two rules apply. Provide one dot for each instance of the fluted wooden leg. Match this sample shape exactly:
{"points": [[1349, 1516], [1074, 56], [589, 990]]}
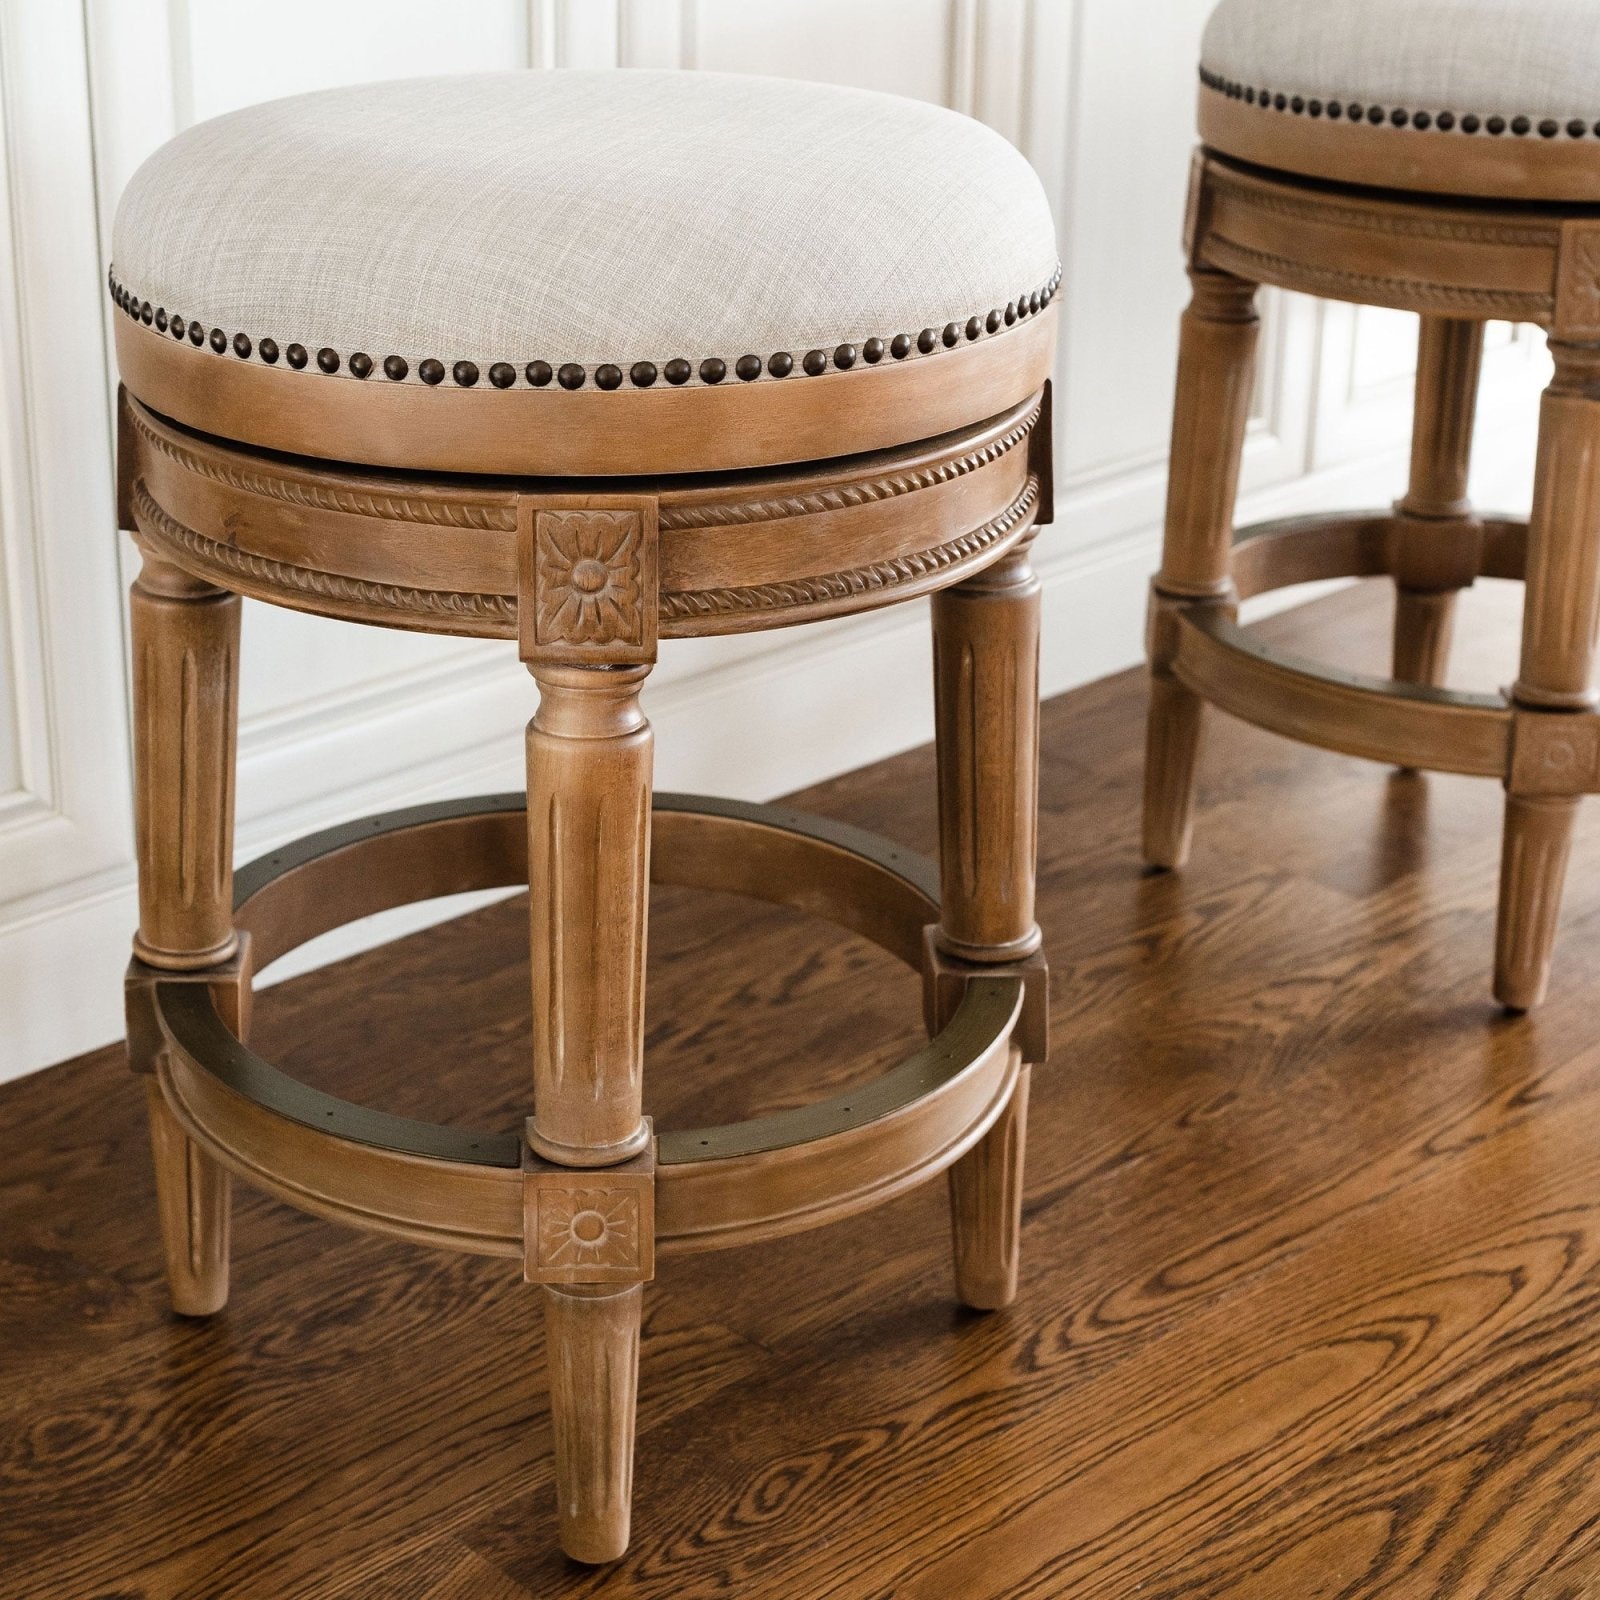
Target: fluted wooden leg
{"points": [[589, 1162], [1555, 680], [1436, 554], [1216, 369], [185, 637], [986, 683], [193, 1196], [593, 1340]]}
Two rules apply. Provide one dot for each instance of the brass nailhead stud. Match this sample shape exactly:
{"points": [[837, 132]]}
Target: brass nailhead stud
{"points": [[992, 321], [748, 367], [502, 374], [816, 362], [539, 373], [395, 367], [1010, 313], [900, 346], [608, 377], [872, 352], [926, 340], [677, 370], [844, 357], [219, 340], [974, 327], [296, 355], [712, 370], [431, 371], [268, 351], [780, 364], [241, 346], [328, 359], [571, 375], [465, 373], [951, 334], [361, 364], [642, 373]]}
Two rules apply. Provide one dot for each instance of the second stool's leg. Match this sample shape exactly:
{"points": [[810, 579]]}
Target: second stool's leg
{"points": [[1216, 370], [1449, 356], [986, 683], [185, 637], [589, 761], [1561, 609]]}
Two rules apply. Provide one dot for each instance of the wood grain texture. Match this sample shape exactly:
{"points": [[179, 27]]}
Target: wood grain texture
{"points": [[1310, 1298]]}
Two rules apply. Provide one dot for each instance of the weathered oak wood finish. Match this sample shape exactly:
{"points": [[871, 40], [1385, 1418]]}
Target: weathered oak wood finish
{"points": [[1457, 263], [938, 476]]}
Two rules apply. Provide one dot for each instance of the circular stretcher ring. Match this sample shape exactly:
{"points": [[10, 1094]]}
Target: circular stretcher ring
{"points": [[715, 1186]]}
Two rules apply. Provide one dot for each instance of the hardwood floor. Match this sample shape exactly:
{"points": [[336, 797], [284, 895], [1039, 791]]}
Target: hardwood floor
{"points": [[1311, 1259]]}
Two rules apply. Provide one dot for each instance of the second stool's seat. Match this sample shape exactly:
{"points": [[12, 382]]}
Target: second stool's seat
{"points": [[540, 258], [1470, 97]]}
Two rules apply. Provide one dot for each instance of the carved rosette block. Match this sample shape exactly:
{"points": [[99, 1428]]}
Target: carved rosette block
{"points": [[588, 579], [588, 1226], [1578, 282]]}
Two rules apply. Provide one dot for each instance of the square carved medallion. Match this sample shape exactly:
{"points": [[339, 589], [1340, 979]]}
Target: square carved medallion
{"points": [[588, 1225], [587, 579]]}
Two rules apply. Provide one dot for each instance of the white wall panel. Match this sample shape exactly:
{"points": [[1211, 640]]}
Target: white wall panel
{"points": [[341, 720]]}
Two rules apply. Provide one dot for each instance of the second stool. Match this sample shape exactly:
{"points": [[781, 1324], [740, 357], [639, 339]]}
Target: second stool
{"points": [[1436, 158]]}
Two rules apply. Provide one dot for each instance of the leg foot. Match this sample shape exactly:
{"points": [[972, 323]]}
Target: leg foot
{"points": [[1171, 752], [1533, 867], [593, 1339], [1424, 621], [192, 1196], [986, 1208]]}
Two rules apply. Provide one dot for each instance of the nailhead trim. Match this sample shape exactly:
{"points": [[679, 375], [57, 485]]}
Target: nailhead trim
{"points": [[1356, 111], [607, 375]]}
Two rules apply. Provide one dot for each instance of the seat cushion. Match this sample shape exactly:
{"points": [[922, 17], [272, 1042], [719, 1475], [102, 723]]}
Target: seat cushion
{"points": [[567, 234], [1495, 98]]}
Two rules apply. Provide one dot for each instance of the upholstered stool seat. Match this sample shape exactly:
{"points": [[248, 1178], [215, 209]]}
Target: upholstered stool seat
{"points": [[1440, 157], [1469, 97], [537, 247], [586, 361]]}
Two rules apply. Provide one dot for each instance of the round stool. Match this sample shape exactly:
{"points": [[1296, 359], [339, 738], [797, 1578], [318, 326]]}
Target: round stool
{"points": [[585, 360], [1436, 158]]}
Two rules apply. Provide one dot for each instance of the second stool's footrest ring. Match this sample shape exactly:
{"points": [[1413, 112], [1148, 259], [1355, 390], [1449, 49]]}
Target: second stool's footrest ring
{"points": [[715, 1186]]}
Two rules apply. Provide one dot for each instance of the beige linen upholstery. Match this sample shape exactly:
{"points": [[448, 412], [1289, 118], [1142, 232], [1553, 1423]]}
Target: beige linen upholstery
{"points": [[605, 219], [1538, 59]]}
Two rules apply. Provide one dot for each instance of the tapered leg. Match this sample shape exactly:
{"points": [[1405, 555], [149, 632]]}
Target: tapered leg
{"points": [[193, 1197], [589, 762], [1435, 554], [593, 1340], [1216, 369], [185, 636], [986, 693], [1555, 679]]}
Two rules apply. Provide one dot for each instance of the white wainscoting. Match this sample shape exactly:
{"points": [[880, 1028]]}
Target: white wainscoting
{"points": [[341, 720]]}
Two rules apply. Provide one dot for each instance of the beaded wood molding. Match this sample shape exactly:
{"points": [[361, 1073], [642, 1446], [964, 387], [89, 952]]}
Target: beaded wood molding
{"points": [[572, 375], [1423, 254], [603, 571]]}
